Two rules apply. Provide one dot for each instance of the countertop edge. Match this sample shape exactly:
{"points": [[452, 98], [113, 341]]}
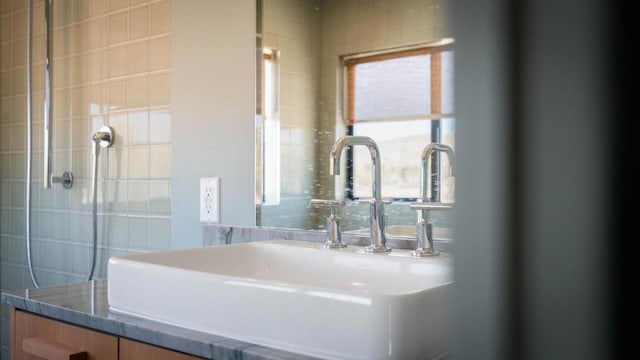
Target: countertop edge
{"points": [[151, 332]]}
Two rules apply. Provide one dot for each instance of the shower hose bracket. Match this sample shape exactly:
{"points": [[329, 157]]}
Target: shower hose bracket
{"points": [[66, 179]]}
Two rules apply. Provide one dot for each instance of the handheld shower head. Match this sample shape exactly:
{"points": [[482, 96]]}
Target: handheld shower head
{"points": [[103, 137]]}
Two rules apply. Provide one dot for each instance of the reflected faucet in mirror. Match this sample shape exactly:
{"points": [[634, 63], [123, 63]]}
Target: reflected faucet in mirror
{"points": [[427, 180], [376, 208], [424, 227]]}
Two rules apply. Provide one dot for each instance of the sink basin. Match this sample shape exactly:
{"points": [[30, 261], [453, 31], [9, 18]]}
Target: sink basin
{"points": [[294, 296]]}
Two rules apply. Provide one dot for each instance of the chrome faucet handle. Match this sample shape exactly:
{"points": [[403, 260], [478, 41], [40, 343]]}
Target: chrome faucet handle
{"points": [[430, 206], [424, 228], [334, 237]]}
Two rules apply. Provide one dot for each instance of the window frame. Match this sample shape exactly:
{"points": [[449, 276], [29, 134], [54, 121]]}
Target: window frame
{"points": [[349, 64]]}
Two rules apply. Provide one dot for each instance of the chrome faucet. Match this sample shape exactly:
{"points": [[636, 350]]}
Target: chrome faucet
{"points": [[424, 230], [376, 210], [425, 169]]}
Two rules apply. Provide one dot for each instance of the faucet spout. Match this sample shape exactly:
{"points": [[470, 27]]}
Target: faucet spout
{"points": [[425, 169], [378, 238], [336, 153]]}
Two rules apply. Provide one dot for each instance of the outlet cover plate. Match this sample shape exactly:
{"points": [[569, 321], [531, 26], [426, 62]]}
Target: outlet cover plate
{"points": [[210, 200]]}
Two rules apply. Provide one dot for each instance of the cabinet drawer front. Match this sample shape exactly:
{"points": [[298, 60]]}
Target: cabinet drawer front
{"points": [[133, 350], [50, 339]]}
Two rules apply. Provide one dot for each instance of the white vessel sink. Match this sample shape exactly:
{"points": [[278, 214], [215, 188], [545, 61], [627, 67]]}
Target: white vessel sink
{"points": [[294, 296]]}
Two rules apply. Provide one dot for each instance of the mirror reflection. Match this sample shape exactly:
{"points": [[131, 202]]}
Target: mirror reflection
{"points": [[328, 68]]}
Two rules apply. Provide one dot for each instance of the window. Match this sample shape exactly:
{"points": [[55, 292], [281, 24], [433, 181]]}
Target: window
{"points": [[271, 128], [403, 100]]}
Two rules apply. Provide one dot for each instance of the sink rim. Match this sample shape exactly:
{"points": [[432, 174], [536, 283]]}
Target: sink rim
{"points": [[351, 258], [310, 320]]}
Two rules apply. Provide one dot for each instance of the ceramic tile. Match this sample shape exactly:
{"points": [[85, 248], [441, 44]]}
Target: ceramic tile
{"points": [[98, 7], [5, 85], [98, 95], [138, 57], [37, 81], [61, 196], [137, 92], [6, 27], [5, 223], [117, 95], [18, 137], [160, 127], [5, 249], [6, 6], [160, 161], [118, 27], [79, 101], [79, 257], [62, 74], [62, 13], [17, 199], [80, 194], [5, 56], [61, 226], [5, 138], [138, 163], [45, 196], [80, 228], [99, 32], [5, 192], [17, 166], [159, 233], [115, 5], [19, 53], [138, 197], [80, 135], [81, 165], [81, 33], [160, 89], [62, 103], [80, 70], [61, 46], [160, 53], [116, 195], [117, 230], [138, 127], [139, 23], [80, 10], [19, 24], [138, 233], [6, 107], [17, 222], [62, 138], [45, 251], [160, 197], [160, 17], [118, 160], [98, 69], [18, 83], [118, 123], [117, 61]]}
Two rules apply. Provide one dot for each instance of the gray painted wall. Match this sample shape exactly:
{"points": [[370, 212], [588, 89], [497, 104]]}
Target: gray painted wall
{"points": [[213, 87]]}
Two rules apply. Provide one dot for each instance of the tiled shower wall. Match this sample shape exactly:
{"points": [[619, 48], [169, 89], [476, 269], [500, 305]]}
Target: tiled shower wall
{"points": [[112, 66]]}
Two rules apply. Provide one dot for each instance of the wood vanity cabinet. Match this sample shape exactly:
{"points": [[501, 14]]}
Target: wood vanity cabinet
{"points": [[37, 337]]}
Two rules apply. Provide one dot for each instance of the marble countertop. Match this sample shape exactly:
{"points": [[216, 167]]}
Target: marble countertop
{"points": [[85, 304]]}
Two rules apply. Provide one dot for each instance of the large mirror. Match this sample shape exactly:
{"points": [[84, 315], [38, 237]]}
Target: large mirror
{"points": [[327, 68]]}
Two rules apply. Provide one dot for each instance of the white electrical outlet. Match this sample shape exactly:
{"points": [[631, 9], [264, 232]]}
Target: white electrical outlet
{"points": [[210, 200]]}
